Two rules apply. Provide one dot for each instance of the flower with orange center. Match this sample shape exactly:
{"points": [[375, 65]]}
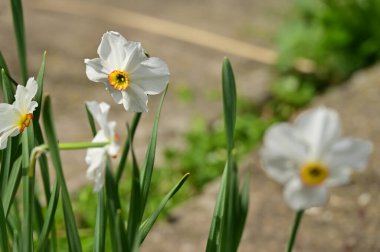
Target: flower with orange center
{"points": [[127, 73], [96, 157], [14, 118], [310, 156]]}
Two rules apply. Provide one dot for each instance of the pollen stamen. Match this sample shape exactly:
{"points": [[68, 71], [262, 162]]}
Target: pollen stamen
{"points": [[25, 121], [118, 80], [314, 173]]}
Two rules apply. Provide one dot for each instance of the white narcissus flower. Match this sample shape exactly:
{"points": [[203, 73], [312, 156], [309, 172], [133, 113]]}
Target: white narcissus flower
{"points": [[311, 155], [96, 157], [14, 118], [127, 73]]}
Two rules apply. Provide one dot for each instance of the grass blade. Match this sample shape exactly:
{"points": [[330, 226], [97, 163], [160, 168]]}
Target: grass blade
{"points": [[229, 102], [242, 211], [149, 222], [18, 24], [147, 169], [3, 64], [135, 211], [123, 159], [91, 121], [8, 92], [71, 227], [101, 224], [49, 219], [40, 82], [3, 231], [12, 186]]}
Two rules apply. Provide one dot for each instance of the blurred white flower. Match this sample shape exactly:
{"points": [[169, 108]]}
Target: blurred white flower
{"points": [[96, 157], [127, 73], [311, 155], [14, 118]]}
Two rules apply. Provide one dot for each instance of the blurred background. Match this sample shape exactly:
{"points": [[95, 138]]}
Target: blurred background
{"points": [[286, 55]]}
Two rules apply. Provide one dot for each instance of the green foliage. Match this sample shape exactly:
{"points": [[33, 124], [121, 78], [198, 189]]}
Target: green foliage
{"points": [[340, 36]]}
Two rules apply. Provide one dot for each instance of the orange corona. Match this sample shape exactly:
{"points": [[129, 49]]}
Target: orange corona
{"points": [[314, 173], [25, 121], [118, 80]]}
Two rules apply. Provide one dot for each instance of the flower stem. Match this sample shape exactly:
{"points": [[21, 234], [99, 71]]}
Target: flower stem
{"points": [[38, 150], [293, 235]]}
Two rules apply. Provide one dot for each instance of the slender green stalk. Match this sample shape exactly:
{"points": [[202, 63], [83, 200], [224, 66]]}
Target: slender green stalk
{"points": [[293, 235]]}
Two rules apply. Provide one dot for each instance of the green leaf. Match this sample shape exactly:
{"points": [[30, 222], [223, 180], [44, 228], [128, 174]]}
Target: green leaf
{"points": [[49, 219], [149, 222], [18, 24], [101, 223], [3, 64], [12, 186], [213, 242], [71, 227], [91, 121], [124, 155], [229, 102], [40, 82], [121, 235], [135, 211], [147, 169], [8, 92], [3, 230]]}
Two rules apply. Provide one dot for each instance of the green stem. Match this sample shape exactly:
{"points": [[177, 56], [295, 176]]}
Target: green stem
{"points": [[293, 235], [62, 146]]}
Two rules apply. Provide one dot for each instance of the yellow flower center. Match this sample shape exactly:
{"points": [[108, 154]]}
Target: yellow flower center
{"points": [[25, 121], [314, 173], [118, 80]]}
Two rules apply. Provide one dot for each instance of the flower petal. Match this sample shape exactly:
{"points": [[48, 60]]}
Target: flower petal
{"points": [[9, 116], [134, 56], [152, 76], [135, 99], [11, 131], [116, 94], [96, 160], [97, 70], [299, 197], [319, 128], [24, 95], [344, 157], [111, 49], [100, 113]]}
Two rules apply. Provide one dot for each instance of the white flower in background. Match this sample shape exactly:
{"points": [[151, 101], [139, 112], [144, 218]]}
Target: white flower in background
{"points": [[127, 73], [311, 155], [96, 157], [14, 118]]}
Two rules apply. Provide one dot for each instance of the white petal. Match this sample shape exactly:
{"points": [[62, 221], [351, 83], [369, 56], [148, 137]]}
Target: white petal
{"points": [[152, 75], [134, 99], [97, 70], [320, 128], [96, 160], [344, 157], [12, 131], [99, 111], [299, 197], [9, 116], [24, 96], [134, 56], [111, 49], [116, 94]]}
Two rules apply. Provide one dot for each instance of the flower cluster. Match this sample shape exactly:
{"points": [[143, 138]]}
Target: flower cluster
{"points": [[311, 155], [129, 75], [17, 116]]}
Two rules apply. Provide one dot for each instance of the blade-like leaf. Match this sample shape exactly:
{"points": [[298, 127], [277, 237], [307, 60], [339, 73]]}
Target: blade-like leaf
{"points": [[213, 242], [3, 231], [123, 158], [229, 102], [18, 25], [121, 234], [101, 224], [49, 219], [147, 169], [40, 82], [71, 227], [12, 186], [8, 92], [91, 121], [3, 64], [149, 222], [135, 211]]}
